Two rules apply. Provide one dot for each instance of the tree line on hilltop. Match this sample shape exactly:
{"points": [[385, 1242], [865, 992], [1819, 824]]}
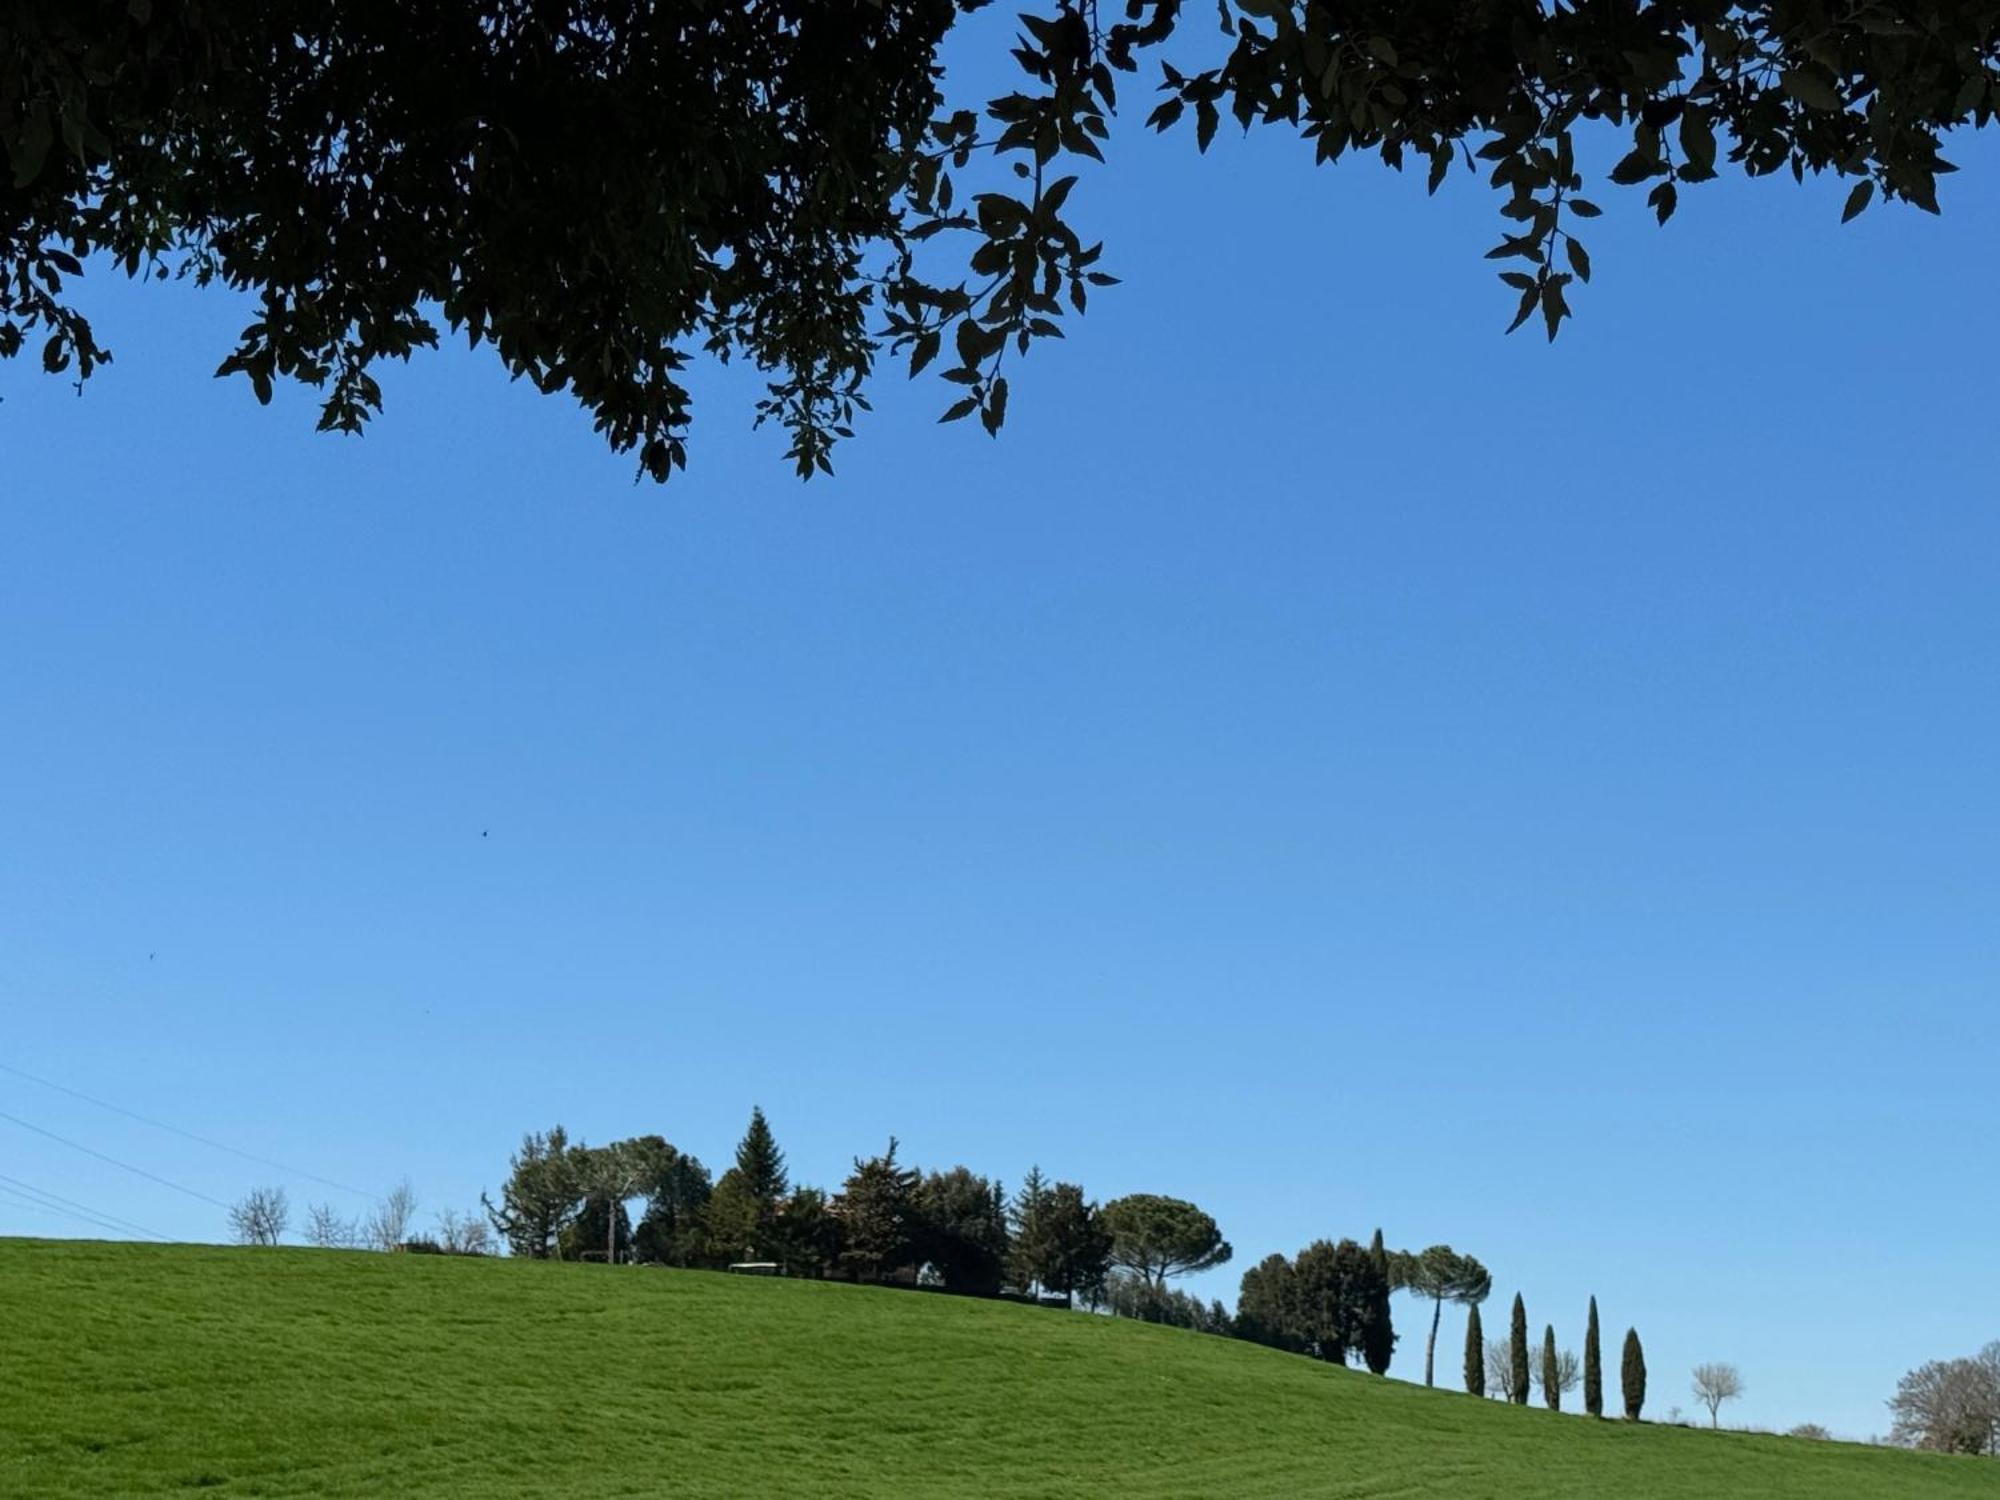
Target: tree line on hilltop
{"points": [[1048, 1242], [957, 1231]]}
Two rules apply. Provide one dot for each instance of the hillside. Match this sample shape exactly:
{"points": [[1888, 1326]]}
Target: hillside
{"points": [[134, 1370]]}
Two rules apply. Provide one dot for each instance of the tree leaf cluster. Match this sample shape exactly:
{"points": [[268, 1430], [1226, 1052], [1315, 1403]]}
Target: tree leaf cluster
{"points": [[603, 190]]}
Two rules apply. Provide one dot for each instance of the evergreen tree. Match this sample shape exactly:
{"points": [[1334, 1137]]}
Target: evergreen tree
{"points": [[1027, 1219], [734, 1225], [1593, 1366], [961, 1230], [1267, 1305], [1634, 1375], [1337, 1291], [1475, 1353], [808, 1233], [670, 1234], [595, 1233], [1076, 1244], [1378, 1343], [541, 1197], [761, 1163], [877, 1214], [1551, 1372], [1517, 1354], [1442, 1275], [1157, 1237]]}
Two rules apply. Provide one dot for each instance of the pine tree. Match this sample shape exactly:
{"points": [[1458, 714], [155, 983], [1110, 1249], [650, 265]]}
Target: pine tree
{"points": [[877, 1214], [1593, 1366], [761, 1163], [1517, 1354], [1028, 1220], [1551, 1374], [1378, 1343], [1634, 1374], [1475, 1353]]}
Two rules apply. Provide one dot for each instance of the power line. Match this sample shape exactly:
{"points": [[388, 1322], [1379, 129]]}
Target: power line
{"points": [[202, 1140], [56, 1203], [125, 1165], [31, 1196]]}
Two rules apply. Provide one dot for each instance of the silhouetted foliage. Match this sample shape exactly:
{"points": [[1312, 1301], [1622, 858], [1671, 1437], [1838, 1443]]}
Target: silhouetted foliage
{"points": [[600, 192]]}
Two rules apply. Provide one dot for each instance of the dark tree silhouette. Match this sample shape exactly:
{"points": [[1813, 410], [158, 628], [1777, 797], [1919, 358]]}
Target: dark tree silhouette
{"points": [[601, 191]]}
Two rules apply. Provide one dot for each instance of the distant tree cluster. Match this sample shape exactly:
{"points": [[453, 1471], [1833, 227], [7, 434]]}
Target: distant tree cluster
{"points": [[894, 1224], [887, 1223], [1950, 1405], [1330, 1301]]}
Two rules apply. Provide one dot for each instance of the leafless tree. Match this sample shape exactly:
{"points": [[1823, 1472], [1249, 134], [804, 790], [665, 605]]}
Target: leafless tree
{"points": [[1715, 1384], [260, 1216], [1811, 1430], [463, 1234], [1950, 1405], [389, 1224], [327, 1230], [1499, 1369]]}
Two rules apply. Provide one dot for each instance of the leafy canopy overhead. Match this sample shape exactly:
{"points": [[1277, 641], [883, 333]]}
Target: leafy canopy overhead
{"points": [[602, 190]]}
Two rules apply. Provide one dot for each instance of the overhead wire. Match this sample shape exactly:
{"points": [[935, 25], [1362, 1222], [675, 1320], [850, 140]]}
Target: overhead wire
{"points": [[64, 1140], [55, 1203], [202, 1140]]}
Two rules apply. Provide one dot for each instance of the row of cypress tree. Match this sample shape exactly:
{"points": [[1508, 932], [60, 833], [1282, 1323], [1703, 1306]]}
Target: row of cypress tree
{"points": [[1554, 1375]]}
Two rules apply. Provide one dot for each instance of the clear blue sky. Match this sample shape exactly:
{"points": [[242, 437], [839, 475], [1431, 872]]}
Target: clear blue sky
{"points": [[1326, 760]]}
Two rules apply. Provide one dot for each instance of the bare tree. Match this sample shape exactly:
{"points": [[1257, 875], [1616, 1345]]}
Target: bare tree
{"points": [[1715, 1384], [1812, 1430], [260, 1217], [1499, 1369], [327, 1230], [1950, 1405], [463, 1234], [389, 1225]]}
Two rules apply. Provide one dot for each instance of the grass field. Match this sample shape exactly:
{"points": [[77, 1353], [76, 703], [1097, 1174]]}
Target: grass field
{"points": [[132, 1370]]}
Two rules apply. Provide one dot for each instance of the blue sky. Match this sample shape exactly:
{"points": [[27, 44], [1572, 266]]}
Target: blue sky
{"points": [[1325, 760]]}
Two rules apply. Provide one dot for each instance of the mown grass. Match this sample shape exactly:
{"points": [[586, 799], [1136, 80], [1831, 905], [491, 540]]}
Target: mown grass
{"points": [[136, 1370]]}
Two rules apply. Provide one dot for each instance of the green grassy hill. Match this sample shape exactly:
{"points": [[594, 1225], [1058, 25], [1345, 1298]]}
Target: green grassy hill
{"points": [[133, 1370]]}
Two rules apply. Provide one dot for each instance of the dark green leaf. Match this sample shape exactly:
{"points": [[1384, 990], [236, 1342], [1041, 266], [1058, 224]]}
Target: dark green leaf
{"points": [[1812, 89]]}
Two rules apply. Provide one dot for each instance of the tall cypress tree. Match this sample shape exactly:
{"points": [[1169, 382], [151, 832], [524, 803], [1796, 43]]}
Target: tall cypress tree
{"points": [[1517, 1354], [1378, 1344], [1475, 1353], [1634, 1375], [1593, 1366], [1551, 1376], [761, 1162]]}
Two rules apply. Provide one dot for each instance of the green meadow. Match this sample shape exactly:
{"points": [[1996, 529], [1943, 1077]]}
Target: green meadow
{"points": [[135, 1370]]}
